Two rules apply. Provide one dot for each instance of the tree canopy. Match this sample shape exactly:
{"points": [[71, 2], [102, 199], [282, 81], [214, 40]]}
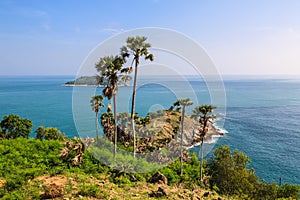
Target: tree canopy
{"points": [[13, 126]]}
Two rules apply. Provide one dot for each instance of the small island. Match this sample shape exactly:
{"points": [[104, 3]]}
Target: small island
{"points": [[124, 80]]}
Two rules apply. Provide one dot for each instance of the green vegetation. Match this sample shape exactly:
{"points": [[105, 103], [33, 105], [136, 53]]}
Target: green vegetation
{"points": [[84, 80], [13, 126], [34, 169], [49, 133]]}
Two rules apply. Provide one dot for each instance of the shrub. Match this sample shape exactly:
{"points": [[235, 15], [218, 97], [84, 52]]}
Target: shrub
{"points": [[289, 190], [91, 191]]}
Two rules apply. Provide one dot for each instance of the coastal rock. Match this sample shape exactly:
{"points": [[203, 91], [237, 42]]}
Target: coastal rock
{"points": [[159, 178]]}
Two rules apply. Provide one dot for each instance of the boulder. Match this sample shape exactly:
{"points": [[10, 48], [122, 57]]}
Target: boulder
{"points": [[159, 178]]}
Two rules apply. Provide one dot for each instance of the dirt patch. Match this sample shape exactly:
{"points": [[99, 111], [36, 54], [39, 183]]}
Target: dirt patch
{"points": [[2, 183], [58, 180]]}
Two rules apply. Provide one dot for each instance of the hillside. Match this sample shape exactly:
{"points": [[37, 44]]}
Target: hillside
{"points": [[34, 169]]}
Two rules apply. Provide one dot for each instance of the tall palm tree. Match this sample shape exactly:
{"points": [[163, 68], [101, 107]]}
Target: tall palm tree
{"points": [[96, 103], [184, 103], [137, 47], [109, 67], [203, 113]]}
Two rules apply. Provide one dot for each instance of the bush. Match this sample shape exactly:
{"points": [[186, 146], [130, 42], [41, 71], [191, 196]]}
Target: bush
{"points": [[91, 191], [124, 179], [289, 190]]}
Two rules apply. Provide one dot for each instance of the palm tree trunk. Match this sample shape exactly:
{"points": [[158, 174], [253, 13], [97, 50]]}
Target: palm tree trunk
{"points": [[116, 128], [133, 104], [181, 141], [201, 161], [96, 121]]}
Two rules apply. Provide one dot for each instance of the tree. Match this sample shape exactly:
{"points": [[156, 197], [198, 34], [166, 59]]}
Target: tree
{"points": [[109, 68], [137, 47], [184, 103], [49, 133], [13, 126], [204, 114], [96, 103], [228, 171], [107, 121]]}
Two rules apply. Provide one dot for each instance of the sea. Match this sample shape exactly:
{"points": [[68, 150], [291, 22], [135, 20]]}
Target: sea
{"points": [[260, 117]]}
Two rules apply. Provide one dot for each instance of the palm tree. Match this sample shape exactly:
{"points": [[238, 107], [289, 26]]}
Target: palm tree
{"points": [[109, 67], [184, 103], [124, 80], [203, 113], [96, 103], [107, 122], [137, 47]]}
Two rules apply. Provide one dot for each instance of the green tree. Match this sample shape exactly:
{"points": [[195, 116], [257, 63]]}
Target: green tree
{"points": [[49, 133], [184, 103], [204, 114], [13, 126], [229, 173], [137, 47], [109, 67], [96, 103]]}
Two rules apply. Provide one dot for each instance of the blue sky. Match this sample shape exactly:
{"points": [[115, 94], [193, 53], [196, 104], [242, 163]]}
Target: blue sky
{"points": [[242, 37]]}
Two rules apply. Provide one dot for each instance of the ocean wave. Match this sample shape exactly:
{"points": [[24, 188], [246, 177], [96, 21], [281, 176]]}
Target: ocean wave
{"points": [[220, 130]]}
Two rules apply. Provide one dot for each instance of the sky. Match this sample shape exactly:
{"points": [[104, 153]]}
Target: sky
{"points": [[249, 37]]}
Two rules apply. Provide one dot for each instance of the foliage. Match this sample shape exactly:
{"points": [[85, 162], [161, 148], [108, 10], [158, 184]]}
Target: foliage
{"points": [[13, 126], [229, 174], [91, 190], [22, 159], [289, 190], [49, 133]]}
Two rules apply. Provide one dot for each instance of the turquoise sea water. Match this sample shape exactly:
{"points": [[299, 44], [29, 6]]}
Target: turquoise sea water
{"points": [[262, 114]]}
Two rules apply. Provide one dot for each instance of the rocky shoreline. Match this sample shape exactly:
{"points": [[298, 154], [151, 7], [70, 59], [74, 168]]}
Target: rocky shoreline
{"points": [[191, 132]]}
